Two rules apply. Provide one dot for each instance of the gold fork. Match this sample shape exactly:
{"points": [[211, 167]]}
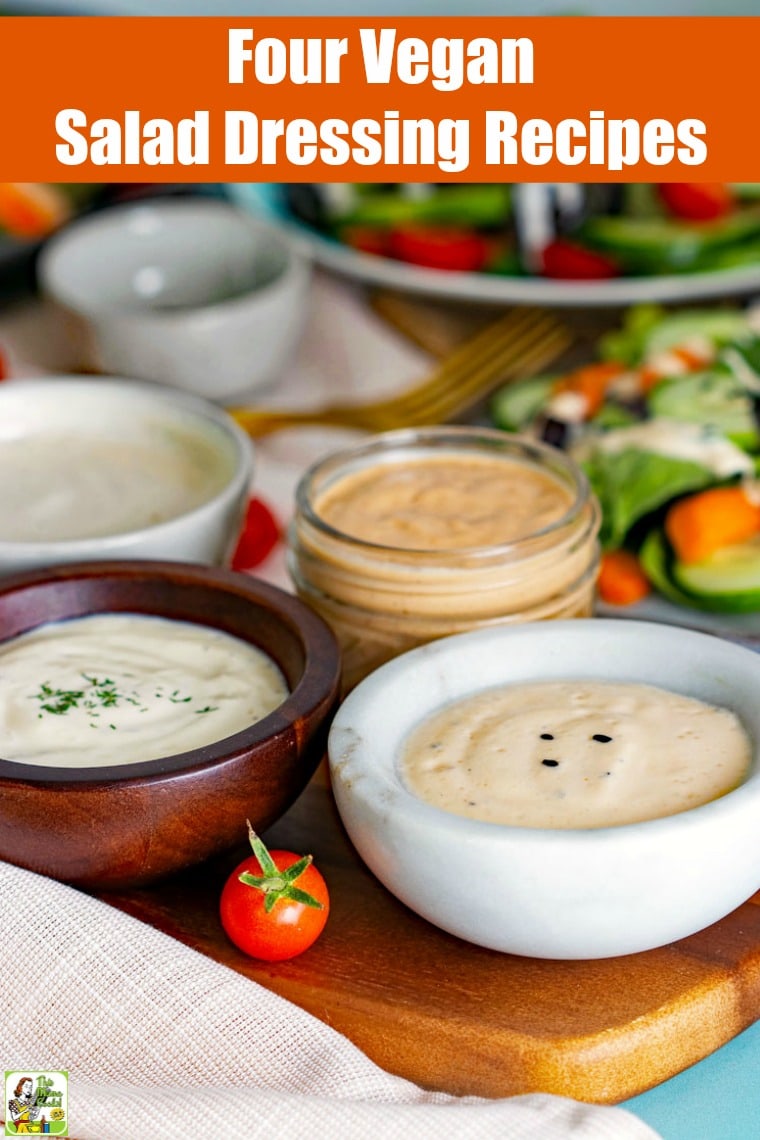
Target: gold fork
{"points": [[517, 344]]}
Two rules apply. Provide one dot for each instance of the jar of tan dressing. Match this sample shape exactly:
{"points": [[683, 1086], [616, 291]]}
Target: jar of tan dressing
{"points": [[414, 535]]}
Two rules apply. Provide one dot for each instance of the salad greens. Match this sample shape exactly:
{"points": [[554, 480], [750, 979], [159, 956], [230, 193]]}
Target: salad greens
{"points": [[633, 483], [667, 428], [612, 231]]}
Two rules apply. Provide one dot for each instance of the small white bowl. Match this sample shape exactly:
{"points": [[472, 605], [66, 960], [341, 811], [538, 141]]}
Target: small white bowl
{"points": [[112, 411], [538, 892], [190, 292]]}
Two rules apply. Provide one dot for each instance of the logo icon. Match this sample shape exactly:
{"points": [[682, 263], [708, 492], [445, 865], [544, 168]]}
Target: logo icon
{"points": [[36, 1104]]}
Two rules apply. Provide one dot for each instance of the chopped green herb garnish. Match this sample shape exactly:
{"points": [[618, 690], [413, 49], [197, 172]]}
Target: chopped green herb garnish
{"points": [[58, 701], [97, 694]]}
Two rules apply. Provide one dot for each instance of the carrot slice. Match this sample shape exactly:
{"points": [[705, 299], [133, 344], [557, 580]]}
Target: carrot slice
{"points": [[590, 382], [649, 378], [621, 580], [692, 362], [701, 524]]}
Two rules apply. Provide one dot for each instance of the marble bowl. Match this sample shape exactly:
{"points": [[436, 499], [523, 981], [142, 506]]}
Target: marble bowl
{"points": [[194, 293], [111, 410], [545, 893]]}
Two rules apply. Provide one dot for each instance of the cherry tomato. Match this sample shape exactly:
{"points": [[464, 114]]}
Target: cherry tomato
{"points": [[697, 201], [440, 247], [572, 262], [275, 904], [258, 538]]}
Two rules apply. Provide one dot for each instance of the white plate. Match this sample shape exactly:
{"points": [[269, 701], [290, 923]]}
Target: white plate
{"points": [[265, 200], [736, 627]]}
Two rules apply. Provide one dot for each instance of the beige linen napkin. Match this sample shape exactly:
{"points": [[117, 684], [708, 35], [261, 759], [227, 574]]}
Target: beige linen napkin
{"points": [[162, 1042]]}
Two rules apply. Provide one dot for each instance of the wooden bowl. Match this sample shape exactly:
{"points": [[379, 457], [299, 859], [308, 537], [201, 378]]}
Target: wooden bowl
{"points": [[120, 826]]}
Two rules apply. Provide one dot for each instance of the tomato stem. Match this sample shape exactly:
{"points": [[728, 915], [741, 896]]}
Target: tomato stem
{"points": [[277, 884]]}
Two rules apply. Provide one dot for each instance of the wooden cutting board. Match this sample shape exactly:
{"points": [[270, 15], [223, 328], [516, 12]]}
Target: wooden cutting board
{"points": [[455, 1017]]}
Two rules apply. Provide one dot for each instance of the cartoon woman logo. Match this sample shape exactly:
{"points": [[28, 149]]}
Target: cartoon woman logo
{"points": [[23, 1107]]}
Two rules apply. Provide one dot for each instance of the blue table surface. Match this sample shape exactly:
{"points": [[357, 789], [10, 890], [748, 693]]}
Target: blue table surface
{"points": [[717, 1099]]}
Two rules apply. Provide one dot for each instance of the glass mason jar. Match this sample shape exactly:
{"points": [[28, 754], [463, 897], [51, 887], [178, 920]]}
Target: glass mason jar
{"points": [[425, 555]]}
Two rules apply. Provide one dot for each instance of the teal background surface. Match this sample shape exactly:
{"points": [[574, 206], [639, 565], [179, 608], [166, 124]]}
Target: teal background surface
{"points": [[718, 1099]]}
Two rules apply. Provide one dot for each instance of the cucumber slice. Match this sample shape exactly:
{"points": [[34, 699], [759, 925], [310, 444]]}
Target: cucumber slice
{"points": [[667, 576], [729, 580], [714, 398], [612, 415], [515, 405], [641, 200], [732, 257], [644, 245], [477, 204], [719, 325], [655, 557], [659, 244]]}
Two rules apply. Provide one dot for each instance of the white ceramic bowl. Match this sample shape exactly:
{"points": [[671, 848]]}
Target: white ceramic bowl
{"points": [[190, 292], [549, 893], [113, 411]]}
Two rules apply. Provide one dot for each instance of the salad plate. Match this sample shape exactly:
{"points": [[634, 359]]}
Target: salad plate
{"points": [[666, 424], [268, 201], [735, 627]]}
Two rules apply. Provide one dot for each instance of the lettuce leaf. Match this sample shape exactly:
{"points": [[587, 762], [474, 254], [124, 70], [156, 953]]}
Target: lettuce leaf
{"points": [[627, 343], [633, 483]]}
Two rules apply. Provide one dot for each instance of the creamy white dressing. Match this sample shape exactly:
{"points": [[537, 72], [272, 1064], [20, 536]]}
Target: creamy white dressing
{"points": [[570, 407], [587, 754], [680, 441], [668, 363], [126, 688], [74, 485]]}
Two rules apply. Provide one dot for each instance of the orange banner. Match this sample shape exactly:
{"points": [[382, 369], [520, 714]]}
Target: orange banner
{"points": [[332, 99]]}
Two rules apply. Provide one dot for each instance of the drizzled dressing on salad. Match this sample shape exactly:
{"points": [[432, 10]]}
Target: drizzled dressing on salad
{"points": [[690, 442], [667, 428]]}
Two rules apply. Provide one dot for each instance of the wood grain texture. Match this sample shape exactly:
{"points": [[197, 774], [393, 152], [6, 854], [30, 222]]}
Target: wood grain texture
{"points": [[452, 1016]]}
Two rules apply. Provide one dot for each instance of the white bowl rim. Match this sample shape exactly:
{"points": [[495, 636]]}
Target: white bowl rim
{"points": [[379, 779], [54, 282], [196, 405]]}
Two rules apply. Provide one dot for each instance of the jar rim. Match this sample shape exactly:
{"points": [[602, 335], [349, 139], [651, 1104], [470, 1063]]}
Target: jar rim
{"points": [[445, 437]]}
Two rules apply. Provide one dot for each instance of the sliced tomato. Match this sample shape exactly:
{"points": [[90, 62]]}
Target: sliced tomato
{"points": [[258, 538], [366, 239], [570, 261], [697, 201], [440, 247]]}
